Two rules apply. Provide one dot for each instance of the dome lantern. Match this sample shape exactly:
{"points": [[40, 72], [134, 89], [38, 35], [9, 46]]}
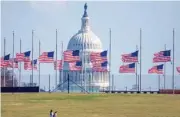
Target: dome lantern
{"points": [[85, 20], [85, 12], [85, 39]]}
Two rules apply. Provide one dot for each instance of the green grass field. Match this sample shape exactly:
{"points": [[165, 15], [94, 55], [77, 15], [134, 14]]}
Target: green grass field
{"points": [[90, 105]]}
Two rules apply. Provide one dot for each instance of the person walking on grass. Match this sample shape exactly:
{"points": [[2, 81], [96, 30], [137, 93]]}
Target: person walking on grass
{"points": [[55, 114], [51, 113]]}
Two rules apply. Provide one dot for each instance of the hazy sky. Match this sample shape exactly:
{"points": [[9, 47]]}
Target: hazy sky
{"points": [[156, 19]]}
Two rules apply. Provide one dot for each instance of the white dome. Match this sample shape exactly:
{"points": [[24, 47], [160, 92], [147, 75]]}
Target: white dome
{"points": [[90, 41], [85, 37]]}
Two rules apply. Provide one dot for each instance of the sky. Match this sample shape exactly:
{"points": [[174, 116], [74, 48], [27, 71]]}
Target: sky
{"points": [[156, 19]]}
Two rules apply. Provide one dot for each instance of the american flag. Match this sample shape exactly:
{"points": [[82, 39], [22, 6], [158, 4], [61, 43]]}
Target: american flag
{"points": [[99, 64], [98, 56], [162, 56], [47, 57], [71, 55], [132, 57], [13, 63], [58, 65], [30, 65], [129, 68], [100, 67], [178, 69], [1, 63], [5, 61], [75, 66], [156, 69], [23, 57]]}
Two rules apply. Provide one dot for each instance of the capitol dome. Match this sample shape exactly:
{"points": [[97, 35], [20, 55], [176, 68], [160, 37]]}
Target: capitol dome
{"points": [[85, 39]]}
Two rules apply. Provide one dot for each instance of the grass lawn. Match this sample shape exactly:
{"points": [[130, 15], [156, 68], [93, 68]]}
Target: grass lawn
{"points": [[90, 105]]}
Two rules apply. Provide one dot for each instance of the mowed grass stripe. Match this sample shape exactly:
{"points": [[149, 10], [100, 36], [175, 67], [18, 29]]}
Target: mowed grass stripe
{"points": [[90, 105]]}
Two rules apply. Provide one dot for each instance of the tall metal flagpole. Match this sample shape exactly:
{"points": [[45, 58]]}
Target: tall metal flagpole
{"points": [[136, 72], [165, 70], [85, 78], [56, 60], [32, 56], [82, 61], [39, 66], [4, 56], [85, 74], [13, 66], [62, 58], [173, 64], [109, 59], [83, 65], [140, 58], [20, 67], [159, 82]]}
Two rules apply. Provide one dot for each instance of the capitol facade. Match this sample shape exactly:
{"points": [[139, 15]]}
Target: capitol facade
{"points": [[86, 42]]}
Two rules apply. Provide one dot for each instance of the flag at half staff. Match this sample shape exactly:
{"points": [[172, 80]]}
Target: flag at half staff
{"points": [[178, 69], [71, 55], [100, 67], [13, 63], [1, 63], [162, 56], [46, 57], [99, 64], [30, 65], [58, 65], [156, 69], [23, 57], [132, 57], [7, 57], [129, 68], [98, 56], [75, 66], [5, 61]]}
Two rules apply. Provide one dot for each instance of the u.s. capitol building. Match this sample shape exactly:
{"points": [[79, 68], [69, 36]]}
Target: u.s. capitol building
{"points": [[85, 41]]}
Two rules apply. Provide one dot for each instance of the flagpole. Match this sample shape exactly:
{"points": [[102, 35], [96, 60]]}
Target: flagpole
{"points": [[82, 78], [159, 82], [4, 56], [109, 59], [56, 60], [20, 67], [39, 66], [136, 71], [13, 66], [32, 56], [62, 58], [92, 81], [113, 89], [140, 58], [84, 67], [173, 83], [165, 70], [85, 78]]}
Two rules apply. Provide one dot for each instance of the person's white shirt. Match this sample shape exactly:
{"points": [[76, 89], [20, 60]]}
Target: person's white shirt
{"points": [[51, 114]]}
